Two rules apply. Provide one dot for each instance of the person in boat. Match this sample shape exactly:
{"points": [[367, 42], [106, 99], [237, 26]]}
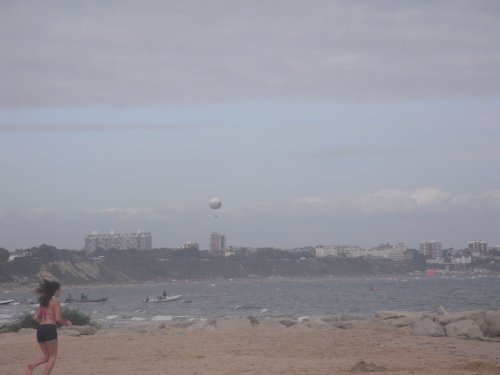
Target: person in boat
{"points": [[164, 293], [83, 297], [48, 316]]}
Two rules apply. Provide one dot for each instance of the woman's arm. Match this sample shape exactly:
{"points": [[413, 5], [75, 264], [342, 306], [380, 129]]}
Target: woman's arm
{"points": [[38, 316], [58, 315]]}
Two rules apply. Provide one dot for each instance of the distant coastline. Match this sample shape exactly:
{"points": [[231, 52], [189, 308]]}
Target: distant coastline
{"points": [[133, 267]]}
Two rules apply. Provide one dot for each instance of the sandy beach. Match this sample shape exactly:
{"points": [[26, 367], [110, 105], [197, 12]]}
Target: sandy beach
{"points": [[365, 348]]}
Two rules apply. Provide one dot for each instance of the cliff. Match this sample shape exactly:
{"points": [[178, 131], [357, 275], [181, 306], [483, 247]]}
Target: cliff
{"points": [[130, 266]]}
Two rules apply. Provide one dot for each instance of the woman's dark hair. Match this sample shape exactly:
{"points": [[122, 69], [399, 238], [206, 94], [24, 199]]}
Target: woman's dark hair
{"points": [[46, 289]]}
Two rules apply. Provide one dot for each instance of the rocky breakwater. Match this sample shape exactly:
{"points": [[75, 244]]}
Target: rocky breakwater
{"points": [[476, 324]]}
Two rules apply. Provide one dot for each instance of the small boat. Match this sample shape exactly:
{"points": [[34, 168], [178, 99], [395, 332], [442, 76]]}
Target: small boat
{"points": [[6, 302], [162, 299]]}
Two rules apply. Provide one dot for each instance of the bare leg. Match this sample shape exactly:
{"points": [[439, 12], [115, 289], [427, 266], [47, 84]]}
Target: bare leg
{"points": [[41, 361], [52, 349]]}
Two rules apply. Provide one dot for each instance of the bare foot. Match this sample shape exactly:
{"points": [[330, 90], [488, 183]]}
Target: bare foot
{"points": [[29, 369]]}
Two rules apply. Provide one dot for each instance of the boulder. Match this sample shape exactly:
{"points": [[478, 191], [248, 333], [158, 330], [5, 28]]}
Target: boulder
{"points": [[362, 366], [400, 322], [253, 320], [347, 317], [317, 323], [442, 310], [85, 330], [385, 315], [186, 324], [465, 328], [461, 315], [491, 324], [342, 325], [391, 314], [330, 318], [288, 322], [271, 322], [149, 327], [70, 332], [427, 327]]}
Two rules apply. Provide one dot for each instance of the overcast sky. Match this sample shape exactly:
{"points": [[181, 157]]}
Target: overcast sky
{"points": [[315, 122]]}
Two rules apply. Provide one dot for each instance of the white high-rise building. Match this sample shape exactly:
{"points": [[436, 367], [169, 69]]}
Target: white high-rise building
{"points": [[217, 242], [326, 251], [432, 249], [478, 248], [118, 241]]}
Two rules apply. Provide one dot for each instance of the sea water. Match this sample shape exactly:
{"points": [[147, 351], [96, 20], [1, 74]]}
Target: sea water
{"points": [[272, 297]]}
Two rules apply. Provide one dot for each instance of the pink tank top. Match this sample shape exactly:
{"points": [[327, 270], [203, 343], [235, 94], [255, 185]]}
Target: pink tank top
{"points": [[45, 314]]}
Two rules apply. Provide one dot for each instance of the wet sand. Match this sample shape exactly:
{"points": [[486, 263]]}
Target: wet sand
{"points": [[261, 350]]}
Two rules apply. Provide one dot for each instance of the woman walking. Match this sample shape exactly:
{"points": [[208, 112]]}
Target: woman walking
{"points": [[48, 315]]}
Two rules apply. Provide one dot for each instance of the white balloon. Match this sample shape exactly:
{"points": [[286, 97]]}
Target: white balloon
{"points": [[214, 203]]}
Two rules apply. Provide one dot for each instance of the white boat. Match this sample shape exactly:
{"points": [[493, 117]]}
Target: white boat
{"points": [[6, 302], [162, 299]]}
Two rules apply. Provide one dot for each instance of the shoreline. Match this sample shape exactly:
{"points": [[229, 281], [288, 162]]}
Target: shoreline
{"points": [[16, 286]]}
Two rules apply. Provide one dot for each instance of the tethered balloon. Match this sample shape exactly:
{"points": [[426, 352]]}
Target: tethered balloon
{"points": [[215, 203]]}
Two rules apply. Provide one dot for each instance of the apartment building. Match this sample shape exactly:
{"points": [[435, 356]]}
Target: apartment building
{"points": [[432, 249], [118, 241]]}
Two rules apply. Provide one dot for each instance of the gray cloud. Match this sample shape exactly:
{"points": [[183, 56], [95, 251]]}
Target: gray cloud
{"points": [[15, 128], [154, 52], [395, 201]]}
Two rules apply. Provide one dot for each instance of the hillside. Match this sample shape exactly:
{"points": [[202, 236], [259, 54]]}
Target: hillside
{"points": [[160, 264]]}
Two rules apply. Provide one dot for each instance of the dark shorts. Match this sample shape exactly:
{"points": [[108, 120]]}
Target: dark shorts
{"points": [[46, 333]]}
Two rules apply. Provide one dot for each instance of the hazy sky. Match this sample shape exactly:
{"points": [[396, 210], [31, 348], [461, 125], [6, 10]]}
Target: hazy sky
{"points": [[316, 122]]}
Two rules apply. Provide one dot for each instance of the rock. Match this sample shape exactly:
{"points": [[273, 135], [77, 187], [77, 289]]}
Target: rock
{"points": [[390, 314], [384, 315], [82, 330], [466, 328], [70, 332], [442, 311], [400, 322], [362, 366], [271, 322], [428, 327], [85, 330], [331, 318], [185, 324], [491, 324], [235, 323], [317, 323], [462, 315], [288, 322], [253, 320], [346, 317], [144, 327], [342, 325]]}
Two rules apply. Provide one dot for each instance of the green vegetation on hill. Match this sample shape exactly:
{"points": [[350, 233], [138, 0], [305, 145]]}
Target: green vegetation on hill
{"points": [[26, 320], [159, 264]]}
